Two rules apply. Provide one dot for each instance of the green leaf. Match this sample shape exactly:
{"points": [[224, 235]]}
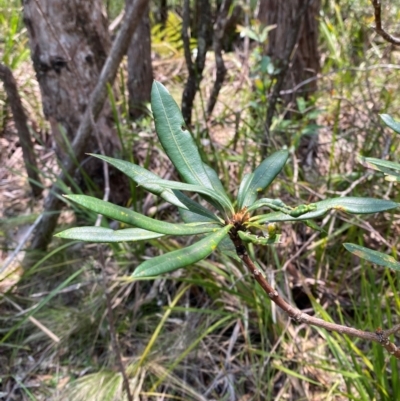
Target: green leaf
{"points": [[388, 120], [175, 139], [178, 143], [142, 176], [136, 219], [103, 234], [195, 208], [183, 257], [378, 258], [258, 240], [243, 188], [351, 205], [385, 166], [225, 203], [264, 174]]}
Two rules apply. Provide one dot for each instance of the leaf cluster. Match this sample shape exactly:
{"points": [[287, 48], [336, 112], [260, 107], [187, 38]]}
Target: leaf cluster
{"points": [[222, 219]]}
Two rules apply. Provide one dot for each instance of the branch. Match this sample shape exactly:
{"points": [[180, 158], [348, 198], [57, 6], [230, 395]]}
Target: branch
{"points": [[284, 66], [380, 336], [21, 124], [54, 202], [378, 25]]}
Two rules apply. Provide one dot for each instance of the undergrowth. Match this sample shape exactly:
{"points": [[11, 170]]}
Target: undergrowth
{"points": [[206, 333]]}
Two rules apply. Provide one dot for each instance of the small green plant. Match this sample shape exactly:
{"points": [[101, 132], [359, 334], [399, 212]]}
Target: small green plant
{"points": [[391, 170], [234, 219], [234, 222]]}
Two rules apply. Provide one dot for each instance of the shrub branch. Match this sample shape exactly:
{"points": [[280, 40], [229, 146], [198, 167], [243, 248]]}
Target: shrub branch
{"points": [[380, 336], [378, 24]]}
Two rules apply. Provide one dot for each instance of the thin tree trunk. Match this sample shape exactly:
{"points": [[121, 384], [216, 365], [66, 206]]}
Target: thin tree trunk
{"points": [[21, 123], [140, 71], [304, 60], [195, 69]]}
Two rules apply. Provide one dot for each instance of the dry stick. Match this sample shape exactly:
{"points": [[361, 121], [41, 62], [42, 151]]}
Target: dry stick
{"points": [[21, 123], [284, 66], [54, 202], [219, 32], [378, 24], [380, 336]]}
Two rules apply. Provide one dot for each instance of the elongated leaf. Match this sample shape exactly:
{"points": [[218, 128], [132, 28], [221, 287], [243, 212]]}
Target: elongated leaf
{"points": [[136, 219], [196, 209], [349, 205], [215, 181], [243, 188], [142, 176], [387, 167], [378, 258], [103, 234], [225, 203], [388, 120], [183, 257], [177, 142], [264, 174]]}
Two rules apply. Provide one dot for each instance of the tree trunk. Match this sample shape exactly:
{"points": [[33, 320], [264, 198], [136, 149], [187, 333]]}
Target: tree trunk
{"points": [[304, 63], [69, 43], [293, 48], [140, 71]]}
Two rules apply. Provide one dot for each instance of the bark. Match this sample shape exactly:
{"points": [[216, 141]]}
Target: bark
{"points": [[21, 123], [69, 44], [54, 202], [140, 71], [304, 60]]}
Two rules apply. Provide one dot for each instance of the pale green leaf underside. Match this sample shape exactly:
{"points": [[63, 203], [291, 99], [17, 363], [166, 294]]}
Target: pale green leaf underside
{"points": [[391, 123], [132, 218], [263, 175], [183, 257], [349, 205], [243, 188], [141, 176], [103, 234], [378, 258], [225, 203], [385, 166]]}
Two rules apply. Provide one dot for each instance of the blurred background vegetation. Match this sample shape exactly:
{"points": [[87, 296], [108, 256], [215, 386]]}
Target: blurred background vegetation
{"points": [[206, 332]]}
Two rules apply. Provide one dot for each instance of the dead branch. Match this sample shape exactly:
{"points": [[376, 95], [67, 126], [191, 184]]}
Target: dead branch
{"points": [[378, 24], [21, 123]]}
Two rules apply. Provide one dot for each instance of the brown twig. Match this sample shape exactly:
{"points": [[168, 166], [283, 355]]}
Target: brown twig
{"points": [[380, 336], [21, 124], [378, 24], [284, 66], [54, 202]]}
